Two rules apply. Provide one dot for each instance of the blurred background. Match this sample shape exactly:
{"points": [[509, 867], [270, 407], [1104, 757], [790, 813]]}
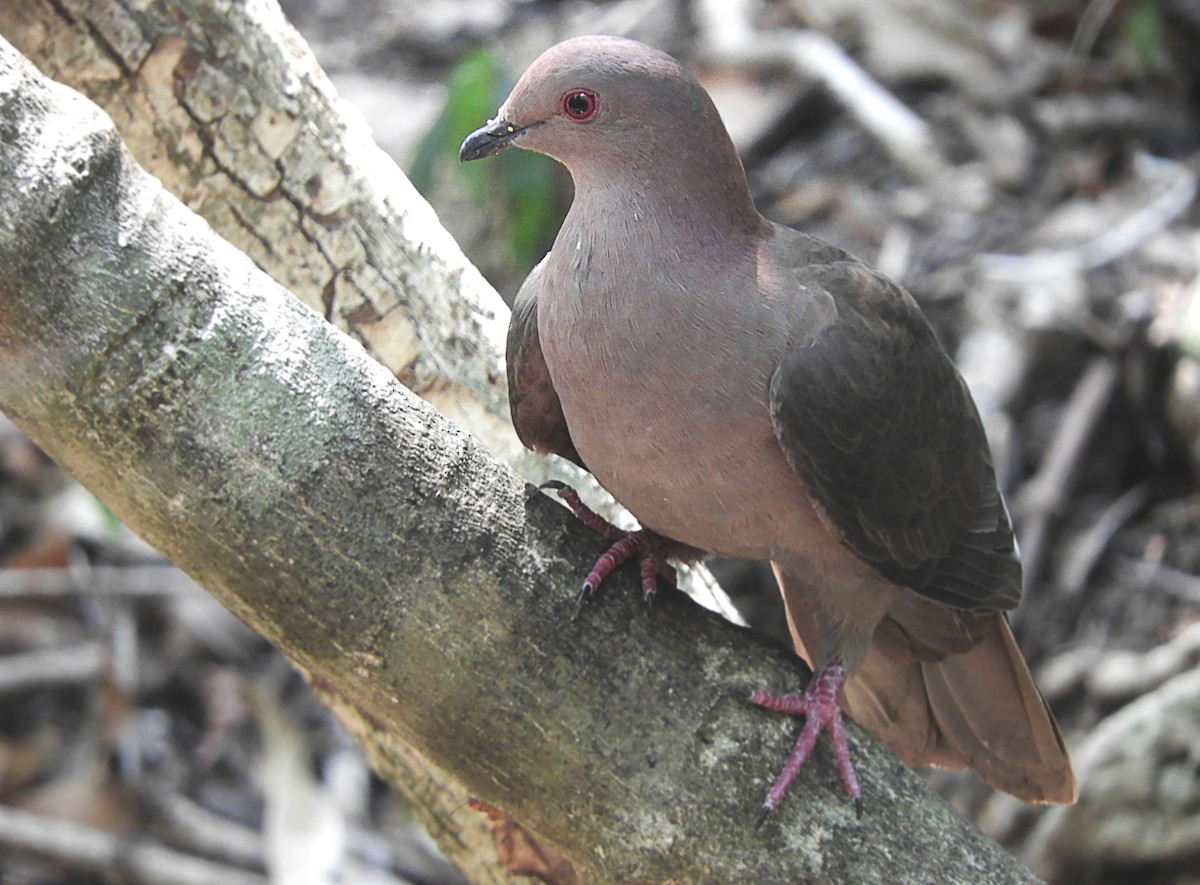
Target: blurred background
{"points": [[1026, 169]]}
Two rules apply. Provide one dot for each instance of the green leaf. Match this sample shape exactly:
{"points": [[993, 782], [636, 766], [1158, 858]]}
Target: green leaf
{"points": [[522, 191], [1145, 30]]}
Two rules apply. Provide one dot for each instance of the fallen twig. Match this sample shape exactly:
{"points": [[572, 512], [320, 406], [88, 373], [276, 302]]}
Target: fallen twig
{"points": [[1114, 676], [730, 39], [1177, 189], [129, 580], [51, 668], [84, 847], [1137, 572], [199, 830], [1081, 558], [1042, 498]]}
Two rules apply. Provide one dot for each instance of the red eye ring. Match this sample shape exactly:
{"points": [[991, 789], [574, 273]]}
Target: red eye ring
{"points": [[580, 105]]}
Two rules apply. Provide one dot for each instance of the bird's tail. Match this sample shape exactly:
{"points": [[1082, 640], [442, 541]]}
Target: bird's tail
{"points": [[977, 708]]}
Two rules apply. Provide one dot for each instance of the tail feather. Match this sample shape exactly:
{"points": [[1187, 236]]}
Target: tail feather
{"points": [[977, 709]]}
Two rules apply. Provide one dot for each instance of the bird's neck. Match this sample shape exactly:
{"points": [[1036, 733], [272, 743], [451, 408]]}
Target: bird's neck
{"points": [[697, 199], [674, 241]]}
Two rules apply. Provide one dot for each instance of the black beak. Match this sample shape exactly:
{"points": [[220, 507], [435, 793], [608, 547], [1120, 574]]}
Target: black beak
{"points": [[488, 140]]}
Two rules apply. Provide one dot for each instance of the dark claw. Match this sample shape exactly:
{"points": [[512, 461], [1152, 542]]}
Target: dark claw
{"points": [[741, 692], [858, 808], [762, 816], [581, 597], [649, 549]]}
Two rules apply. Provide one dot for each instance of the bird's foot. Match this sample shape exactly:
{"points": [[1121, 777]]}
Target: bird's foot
{"points": [[651, 549], [819, 704]]}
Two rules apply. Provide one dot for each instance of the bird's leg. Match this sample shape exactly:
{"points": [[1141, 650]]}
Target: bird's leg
{"points": [[650, 548], [820, 705]]}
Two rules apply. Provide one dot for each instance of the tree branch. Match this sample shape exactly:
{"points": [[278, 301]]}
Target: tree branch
{"points": [[424, 592], [226, 106]]}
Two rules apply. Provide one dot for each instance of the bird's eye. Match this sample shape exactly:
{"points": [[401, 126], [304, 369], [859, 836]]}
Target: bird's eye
{"points": [[580, 105]]}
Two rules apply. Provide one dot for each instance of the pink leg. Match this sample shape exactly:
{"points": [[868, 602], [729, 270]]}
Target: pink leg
{"points": [[819, 704], [650, 548]]}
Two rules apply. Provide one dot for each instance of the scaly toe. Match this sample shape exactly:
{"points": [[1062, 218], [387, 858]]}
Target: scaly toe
{"points": [[820, 705]]}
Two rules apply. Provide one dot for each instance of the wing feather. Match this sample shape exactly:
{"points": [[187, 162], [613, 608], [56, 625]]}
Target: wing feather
{"points": [[533, 402], [879, 425]]}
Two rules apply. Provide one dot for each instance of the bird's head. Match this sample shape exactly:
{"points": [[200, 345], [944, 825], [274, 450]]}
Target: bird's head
{"points": [[600, 99]]}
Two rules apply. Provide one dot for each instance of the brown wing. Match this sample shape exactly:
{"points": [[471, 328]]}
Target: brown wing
{"points": [[536, 411], [878, 423]]}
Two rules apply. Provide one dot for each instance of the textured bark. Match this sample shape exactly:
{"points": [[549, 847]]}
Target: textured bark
{"points": [[387, 554], [223, 102]]}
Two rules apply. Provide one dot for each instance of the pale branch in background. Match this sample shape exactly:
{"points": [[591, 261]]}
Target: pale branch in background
{"points": [[229, 109]]}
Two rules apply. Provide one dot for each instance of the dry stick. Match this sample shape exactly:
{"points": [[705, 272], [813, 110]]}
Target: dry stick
{"points": [[1138, 572], [1042, 499], [1090, 24], [195, 827], [904, 135], [112, 580], [1077, 115], [1083, 555], [1114, 676], [83, 847], [1177, 185], [51, 668], [1121, 676]]}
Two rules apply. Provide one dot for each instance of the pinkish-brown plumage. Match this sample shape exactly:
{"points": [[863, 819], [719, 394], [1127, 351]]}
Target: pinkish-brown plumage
{"points": [[748, 390]]}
